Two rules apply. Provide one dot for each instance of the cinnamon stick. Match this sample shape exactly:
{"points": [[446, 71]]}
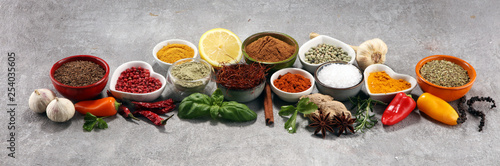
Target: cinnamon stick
{"points": [[268, 105]]}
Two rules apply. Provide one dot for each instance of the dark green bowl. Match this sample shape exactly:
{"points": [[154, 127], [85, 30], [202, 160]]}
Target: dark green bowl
{"points": [[275, 66]]}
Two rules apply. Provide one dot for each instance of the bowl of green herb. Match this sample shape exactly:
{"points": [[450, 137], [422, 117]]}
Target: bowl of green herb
{"points": [[445, 76]]}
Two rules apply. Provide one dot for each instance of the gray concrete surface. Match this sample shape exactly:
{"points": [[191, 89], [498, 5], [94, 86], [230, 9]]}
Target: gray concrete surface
{"points": [[42, 32]]}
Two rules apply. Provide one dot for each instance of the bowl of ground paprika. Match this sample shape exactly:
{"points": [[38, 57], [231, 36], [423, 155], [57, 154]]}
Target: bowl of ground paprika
{"points": [[80, 77], [274, 49], [292, 83]]}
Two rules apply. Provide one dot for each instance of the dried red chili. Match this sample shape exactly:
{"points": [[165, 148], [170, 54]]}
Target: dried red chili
{"points": [[137, 80], [241, 76], [159, 107], [125, 112], [153, 117]]}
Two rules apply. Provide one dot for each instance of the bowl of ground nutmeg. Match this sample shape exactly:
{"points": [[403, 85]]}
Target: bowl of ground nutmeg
{"points": [[275, 49], [80, 77], [445, 76]]}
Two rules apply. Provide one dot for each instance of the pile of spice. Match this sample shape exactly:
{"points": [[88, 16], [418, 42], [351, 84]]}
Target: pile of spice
{"points": [[137, 80], [339, 75], [444, 73], [292, 83], [269, 49], [174, 52], [325, 53], [381, 82], [188, 73], [79, 73], [241, 76]]}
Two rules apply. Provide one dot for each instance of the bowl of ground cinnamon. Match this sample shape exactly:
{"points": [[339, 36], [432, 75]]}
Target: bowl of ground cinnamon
{"points": [[80, 77], [275, 49]]}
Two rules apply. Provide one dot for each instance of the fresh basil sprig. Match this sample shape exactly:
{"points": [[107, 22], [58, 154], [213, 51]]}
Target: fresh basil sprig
{"points": [[91, 121], [304, 106], [198, 105]]}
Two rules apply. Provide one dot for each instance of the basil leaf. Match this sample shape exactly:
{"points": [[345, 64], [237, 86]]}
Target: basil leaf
{"points": [[305, 107], [214, 111], [195, 105], [236, 112], [290, 124], [89, 125], [287, 110], [101, 123], [218, 97]]}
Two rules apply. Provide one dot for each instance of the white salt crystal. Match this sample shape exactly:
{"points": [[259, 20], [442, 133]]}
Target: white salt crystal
{"points": [[339, 75]]}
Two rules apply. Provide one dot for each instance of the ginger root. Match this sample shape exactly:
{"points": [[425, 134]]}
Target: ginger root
{"points": [[326, 104]]}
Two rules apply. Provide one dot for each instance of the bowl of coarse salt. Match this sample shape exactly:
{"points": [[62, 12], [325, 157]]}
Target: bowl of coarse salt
{"points": [[340, 80]]}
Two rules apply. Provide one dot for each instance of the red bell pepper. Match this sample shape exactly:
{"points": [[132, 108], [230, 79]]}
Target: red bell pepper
{"points": [[399, 108]]}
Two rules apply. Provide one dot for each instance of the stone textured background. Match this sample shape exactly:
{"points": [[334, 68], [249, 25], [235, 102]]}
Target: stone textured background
{"points": [[43, 32]]}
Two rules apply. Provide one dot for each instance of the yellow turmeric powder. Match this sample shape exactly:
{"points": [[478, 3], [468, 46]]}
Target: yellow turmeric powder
{"points": [[381, 82], [174, 52]]}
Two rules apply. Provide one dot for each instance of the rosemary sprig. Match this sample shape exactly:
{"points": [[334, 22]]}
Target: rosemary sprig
{"points": [[364, 120]]}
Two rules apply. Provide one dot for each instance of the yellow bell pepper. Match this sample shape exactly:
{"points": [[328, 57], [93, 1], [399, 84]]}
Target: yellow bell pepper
{"points": [[437, 109]]}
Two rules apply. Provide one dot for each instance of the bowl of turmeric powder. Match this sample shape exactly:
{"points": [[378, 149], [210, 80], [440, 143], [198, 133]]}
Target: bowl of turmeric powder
{"points": [[169, 51], [382, 83]]}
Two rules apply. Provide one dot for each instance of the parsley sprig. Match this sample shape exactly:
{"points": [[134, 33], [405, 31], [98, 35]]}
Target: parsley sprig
{"points": [[91, 121]]}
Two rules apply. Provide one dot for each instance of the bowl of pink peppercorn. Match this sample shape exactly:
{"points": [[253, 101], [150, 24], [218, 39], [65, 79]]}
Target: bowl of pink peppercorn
{"points": [[136, 80]]}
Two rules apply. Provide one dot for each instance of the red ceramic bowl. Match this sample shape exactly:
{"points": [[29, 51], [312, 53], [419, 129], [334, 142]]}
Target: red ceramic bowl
{"points": [[446, 93], [78, 93]]}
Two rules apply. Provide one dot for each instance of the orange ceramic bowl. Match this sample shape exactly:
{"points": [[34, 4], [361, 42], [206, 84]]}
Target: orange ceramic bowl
{"points": [[446, 93]]}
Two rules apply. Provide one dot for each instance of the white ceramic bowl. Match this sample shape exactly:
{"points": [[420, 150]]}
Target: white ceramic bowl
{"points": [[242, 96], [162, 44], [136, 96], [287, 96], [386, 97], [322, 39], [340, 94]]}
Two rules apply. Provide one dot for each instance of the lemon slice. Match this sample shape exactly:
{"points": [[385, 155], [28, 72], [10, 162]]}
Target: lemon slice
{"points": [[220, 47]]}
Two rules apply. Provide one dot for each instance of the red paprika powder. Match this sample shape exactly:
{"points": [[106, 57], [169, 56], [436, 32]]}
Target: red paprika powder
{"points": [[292, 83]]}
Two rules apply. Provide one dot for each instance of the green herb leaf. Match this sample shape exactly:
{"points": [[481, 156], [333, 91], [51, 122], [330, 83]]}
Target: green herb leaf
{"points": [[290, 124], [214, 111], [218, 97], [195, 105], [287, 110], [364, 119], [91, 121], [236, 112], [101, 124], [305, 107]]}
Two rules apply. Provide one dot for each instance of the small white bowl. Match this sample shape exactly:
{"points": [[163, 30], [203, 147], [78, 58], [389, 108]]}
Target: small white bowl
{"points": [[340, 94], [162, 44], [287, 96], [386, 97], [136, 96], [322, 39]]}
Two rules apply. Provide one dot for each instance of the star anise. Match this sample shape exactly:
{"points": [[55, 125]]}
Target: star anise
{"points": [[344, 123], [322, 123]]}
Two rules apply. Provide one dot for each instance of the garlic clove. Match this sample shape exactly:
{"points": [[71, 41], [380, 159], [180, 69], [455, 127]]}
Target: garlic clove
{"points": [[60, 110], [39, 100]]}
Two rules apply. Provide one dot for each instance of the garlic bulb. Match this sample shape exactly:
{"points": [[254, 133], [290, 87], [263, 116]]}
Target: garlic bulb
{"points": [[39, 100], [371, 52], [60, 110]]}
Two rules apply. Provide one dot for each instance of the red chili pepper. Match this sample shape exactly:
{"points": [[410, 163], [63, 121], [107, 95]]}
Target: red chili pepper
{"points": [[399, 108], [125, 112], [155, 118], [159, 107]]}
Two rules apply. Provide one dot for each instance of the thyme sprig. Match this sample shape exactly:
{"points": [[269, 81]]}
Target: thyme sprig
{"points": [[364, 119]]}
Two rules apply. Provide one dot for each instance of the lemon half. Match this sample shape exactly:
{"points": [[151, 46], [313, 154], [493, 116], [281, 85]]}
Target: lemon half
{"points": [[219, 47]]}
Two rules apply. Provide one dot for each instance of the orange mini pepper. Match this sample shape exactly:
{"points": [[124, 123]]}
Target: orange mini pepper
{"points": [[437, 109], [107, 106]]}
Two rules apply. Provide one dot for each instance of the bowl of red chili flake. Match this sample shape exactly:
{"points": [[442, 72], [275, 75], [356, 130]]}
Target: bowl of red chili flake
{"points": [[292, 83], [136, 80]]}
